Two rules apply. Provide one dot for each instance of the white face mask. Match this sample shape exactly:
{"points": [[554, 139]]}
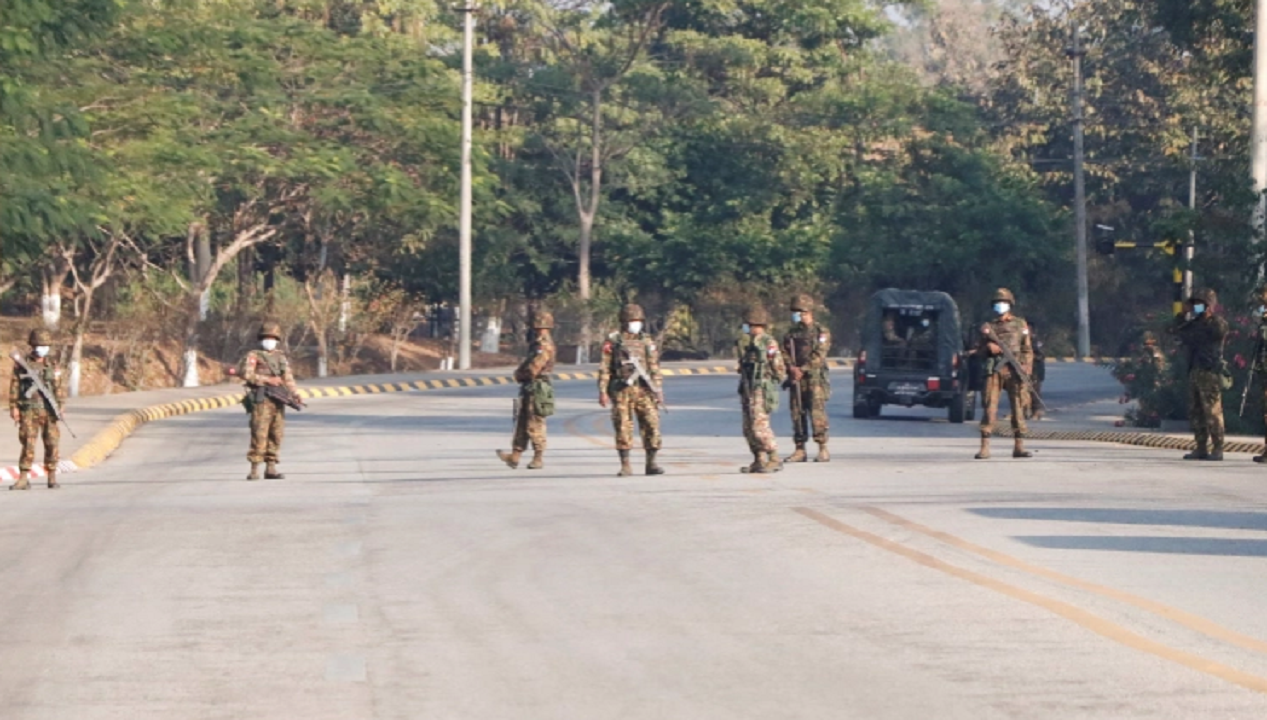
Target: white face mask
{"points": [[269, 344], [1199, 308], [746, 328], [925, 322], [41, 350], [1001, 308], [796, 317], [635, 327], [1262, 309]]}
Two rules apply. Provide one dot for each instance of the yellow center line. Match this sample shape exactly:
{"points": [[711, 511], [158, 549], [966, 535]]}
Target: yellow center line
{"points": [[1077, 615], [1197, 623]]}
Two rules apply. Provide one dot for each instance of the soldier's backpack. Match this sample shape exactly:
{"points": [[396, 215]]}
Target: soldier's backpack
{"points": [[542, 393]]}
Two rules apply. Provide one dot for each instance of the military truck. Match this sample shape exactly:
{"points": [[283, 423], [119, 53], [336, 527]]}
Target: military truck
{"points": [[912, 353]]}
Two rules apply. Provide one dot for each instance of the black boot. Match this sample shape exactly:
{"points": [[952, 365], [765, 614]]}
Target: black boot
{"points": [[625, 469], [1201, 453], [652, 467]]}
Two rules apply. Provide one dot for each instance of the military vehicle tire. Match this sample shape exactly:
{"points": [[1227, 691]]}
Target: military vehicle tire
{"points": [[861, 410], [957, 409]]}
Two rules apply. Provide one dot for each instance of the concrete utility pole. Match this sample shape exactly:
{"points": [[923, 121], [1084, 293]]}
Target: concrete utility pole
{"points": [[1189, 248], [1080, 199], [464, 251], [1258, 138]]}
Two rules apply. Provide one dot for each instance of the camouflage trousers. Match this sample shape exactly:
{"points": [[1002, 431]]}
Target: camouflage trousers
{"points": [[808, 404], [1205, 408], [631, 402], [268, 426], [34, 424], [756, 423], [992, 392], [529, 426]]}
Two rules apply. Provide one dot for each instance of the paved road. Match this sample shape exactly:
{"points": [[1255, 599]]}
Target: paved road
{"points": [[400, 572]]}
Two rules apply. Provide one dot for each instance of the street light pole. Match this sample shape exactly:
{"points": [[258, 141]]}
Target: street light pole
{"points": [[1258, 138], [1080, 200], [464, 230]]}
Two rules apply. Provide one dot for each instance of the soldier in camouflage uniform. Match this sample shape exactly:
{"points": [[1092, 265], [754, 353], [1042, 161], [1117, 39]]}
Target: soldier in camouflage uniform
{"points": [[1033, 398], [629, 395], [1012, 331], [267, 366], [32, 412], [805, 349], [1202, 333], [761, 369], [530, 425], [1260, 361]]}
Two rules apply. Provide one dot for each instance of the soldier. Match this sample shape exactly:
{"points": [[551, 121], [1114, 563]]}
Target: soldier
{"points": [[267, 366], [1260, 360], [921, 348], [1010, 331], [761, 369], [35, 416], [629, 380], [1202, 332], [805, 350], [533, 376]]}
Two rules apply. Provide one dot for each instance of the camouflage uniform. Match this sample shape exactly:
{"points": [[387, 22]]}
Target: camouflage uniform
{"points": [[268, 416], [530, 426], [631, 397], [1260, 360], [806, 346], [36, 418], [1013, 332], [761, 369], [1203, 336]]}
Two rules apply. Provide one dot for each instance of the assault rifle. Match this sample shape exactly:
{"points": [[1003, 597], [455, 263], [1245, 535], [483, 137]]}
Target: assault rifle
{"points": [[640, 373], [789, 383], [1010, 359], [39, 388], [1253, 367], [279, 393]]}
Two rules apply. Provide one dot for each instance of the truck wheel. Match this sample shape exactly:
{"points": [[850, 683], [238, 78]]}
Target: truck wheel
{"points": [[874, 408], [957, 408], [971, 402], [861, 410]]}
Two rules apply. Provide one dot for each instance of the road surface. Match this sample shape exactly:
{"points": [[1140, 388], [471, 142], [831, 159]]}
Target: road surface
{"points": [[401, 572]]}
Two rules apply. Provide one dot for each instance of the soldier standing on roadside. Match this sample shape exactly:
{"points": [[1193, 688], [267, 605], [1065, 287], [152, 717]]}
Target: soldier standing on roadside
{"points": [[805, 349], [630, 393], [1033, 410], [761, 370], [536, 395], [1260, 360], [1011, 331], [32, 412], [1203, 334], [267, 366]]}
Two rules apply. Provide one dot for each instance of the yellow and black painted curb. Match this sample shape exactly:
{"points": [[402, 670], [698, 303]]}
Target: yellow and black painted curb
{"points": [[1139, 439]]}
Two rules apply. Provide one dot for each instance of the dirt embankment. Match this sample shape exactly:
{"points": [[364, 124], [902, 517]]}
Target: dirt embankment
{"points": [[112, 365]]}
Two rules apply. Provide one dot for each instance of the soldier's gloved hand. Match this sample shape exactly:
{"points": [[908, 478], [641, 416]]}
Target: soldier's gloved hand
{"points": [[994, 348], [603, 400], [796, 373]]}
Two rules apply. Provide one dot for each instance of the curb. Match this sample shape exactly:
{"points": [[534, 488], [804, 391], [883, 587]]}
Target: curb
{"points": [[1139, 439]]}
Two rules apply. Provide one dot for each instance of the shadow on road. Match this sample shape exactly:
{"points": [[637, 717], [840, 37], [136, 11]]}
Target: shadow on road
{"points": [[1229, 547], [1226, 520]]}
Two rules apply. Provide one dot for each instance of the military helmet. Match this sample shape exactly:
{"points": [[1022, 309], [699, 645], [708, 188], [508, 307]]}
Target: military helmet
{"points": [[757, 315], [542, 320], [1204, 295], [1004, 295], [802, 303], [632, 312], [270, 329], [40, 337]]}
